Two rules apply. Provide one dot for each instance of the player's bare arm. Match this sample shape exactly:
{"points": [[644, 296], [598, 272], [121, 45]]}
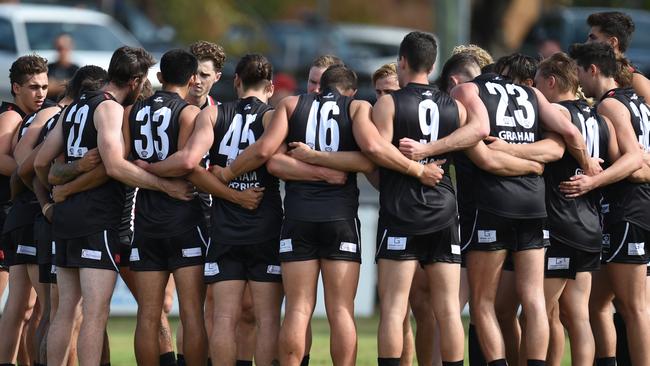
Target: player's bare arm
{"points": [[111, 145], [547, 150], [628, 157], [9, 123], [288, 168], [28, 141], [50, 149], [61, 172], [500, 163]]}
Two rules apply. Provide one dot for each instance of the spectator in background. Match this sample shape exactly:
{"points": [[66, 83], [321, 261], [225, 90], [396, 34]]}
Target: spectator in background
{"points": [[548, 47], [62, 70], [285, 85]]}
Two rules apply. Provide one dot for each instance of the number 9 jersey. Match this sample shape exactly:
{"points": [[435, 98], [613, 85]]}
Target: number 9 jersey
{"points": [[97, 209], [514, 118]]}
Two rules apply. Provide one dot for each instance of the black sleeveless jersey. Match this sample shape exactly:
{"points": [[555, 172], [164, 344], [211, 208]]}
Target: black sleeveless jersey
{"points": [[25, 206], [575, 221], [514, 118], [466, 178], [422, 113], [323, 122], [206, 199], [154, 125], [5, 191], [97, 209], [631, 201], [239, 125]]}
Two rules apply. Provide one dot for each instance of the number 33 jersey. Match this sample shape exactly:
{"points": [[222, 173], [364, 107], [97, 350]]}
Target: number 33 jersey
{"points": [[97, 209], [425, 114], [154, 124], [514, 118]]}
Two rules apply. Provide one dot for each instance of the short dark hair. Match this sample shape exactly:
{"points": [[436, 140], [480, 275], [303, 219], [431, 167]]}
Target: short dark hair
{"points": [[564, 69], [204, 50], [459, 63], [128, 63], [177, 66], [420, 51], [25, 67], [520, 66], [339, 76], [599, 54], [614, 24], [254, 69], [86, 78], [325, 61]]}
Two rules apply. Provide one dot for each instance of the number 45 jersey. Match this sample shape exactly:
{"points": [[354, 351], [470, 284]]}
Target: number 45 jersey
{"points": [[425, 114], [155, 124], [514, 118], [97, 209]]}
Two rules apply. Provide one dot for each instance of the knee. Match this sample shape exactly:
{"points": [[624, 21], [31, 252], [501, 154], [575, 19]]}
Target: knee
{"points": [[533, 304], [631, 311], [247, 316]]}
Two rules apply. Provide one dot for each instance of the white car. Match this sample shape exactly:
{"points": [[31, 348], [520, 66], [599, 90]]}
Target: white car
{"points": [[30, 28]]}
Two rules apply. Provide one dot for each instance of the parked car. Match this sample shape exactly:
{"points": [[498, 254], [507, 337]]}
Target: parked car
{"points": [[568, 25], [30, 28]]}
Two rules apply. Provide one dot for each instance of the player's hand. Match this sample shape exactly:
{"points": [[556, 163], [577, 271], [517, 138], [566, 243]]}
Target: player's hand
{"points": [[302, 152], [646, 155], [496, 143], [412, 149], [593, 166], [333, 176], [577, 185], [141, 163], [250, 198], [59, 193], [538, 168], [432, 173], [179, 189], [89, 161]]}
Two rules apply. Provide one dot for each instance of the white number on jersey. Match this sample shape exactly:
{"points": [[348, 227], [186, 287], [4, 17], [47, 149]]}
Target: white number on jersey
{"points": [[591, 135], [324, 126], [428, 110], [525, 117], [154, 139], [643, 113], [73, 143], [236, 135]]}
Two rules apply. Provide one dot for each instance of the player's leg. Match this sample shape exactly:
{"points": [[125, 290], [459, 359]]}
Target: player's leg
{"points": [[408, 345], [426, 345], [246, 337], [43, 300], [165, 334], [65, 316], [600, 315], [267, 300], [553, 288], [4, 279], [191, 295], [13, 315], [574, 312], [507, 307], [227, 309], [150, 292]]}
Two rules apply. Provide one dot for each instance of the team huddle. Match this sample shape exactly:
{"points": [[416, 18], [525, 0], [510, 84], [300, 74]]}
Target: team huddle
{"points": [[550, 190]]}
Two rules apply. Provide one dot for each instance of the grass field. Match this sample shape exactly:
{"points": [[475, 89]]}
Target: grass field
{"points": [[121, 331]]}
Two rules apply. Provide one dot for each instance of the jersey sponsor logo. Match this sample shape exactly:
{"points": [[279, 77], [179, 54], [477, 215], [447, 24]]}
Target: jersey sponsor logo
{"points": [[135, 255], [245, 181], [555, 263], [247, 107], [546, 234], [26, 250], [427, 93], [158, 100], [348, 247], [328, 96], [604, 208], [191, 252], [396, 243], [211, 269], [517, 136], [606, 240], [91, 254], [487, 236], [636, 249], [276, 270], [455, 249], [286, 246]]}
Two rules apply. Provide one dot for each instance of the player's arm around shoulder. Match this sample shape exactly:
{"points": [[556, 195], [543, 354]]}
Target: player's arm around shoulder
{"points": [[50, 149], [9, 124]]}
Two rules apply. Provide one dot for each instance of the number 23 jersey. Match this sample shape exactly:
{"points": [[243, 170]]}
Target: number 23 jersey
{"points": [[154, 126], [96, 209]]}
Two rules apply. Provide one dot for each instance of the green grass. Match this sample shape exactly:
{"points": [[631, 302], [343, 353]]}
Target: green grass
{"points": [[121, 330]]}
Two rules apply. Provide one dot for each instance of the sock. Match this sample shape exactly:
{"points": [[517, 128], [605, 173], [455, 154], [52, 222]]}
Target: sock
{"points": [[622, 352], [167, 359], [180, 359], [536, 362], [7, 364], [606, 361], [305, 361], [39, 364], [106, 364], [243, 363], [387, 361], [454, 363], [499, 362], [476, 357], [209, 362]]}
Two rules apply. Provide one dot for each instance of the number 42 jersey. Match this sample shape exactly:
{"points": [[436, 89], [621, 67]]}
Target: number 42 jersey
{"points": [[155, 124]]}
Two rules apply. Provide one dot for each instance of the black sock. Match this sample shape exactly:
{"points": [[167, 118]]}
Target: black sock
{"points": [[209, 362], [476, 357], [7, 364], [454, 363], [622, 352], [387, 361], [180, 359], [606, 361], [305, 361], [499, 362], [39, 364], [243, 363], [536, 362], [167, 359], [105, 364]]}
